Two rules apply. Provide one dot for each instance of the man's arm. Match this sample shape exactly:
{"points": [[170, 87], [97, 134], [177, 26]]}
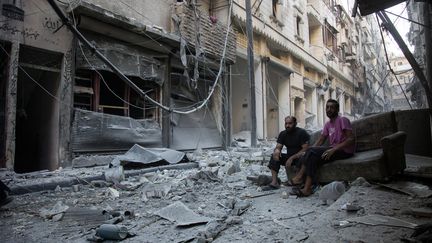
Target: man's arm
{"points": [[277, 151], [320, 140], [297, 155], [348, 141]]}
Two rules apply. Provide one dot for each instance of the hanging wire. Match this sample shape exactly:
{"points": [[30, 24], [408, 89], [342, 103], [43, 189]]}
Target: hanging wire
{"points": [[389, 65], [76, 32], [33, 80]]}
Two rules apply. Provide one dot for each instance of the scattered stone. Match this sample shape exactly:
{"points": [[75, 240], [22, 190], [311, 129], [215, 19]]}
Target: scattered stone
{"points": [[240, 207], [113, 192], [349, 207], [360, 181], [76, 188], [100, 183], [206, 176], [234, 168], [153, 190], [58, 208], [57, 217], [234, 220]]}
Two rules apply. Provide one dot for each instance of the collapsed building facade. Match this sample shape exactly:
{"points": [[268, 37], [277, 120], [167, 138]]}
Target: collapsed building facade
{"points": [[399, 84], [421, 13], [60, 99]]}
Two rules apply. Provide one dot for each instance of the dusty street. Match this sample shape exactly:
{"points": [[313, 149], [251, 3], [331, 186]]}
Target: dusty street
{"points": [[235, 208]]}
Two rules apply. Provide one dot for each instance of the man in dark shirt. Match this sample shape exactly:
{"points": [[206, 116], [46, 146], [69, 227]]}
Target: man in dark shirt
{"points": [[296, 141]]}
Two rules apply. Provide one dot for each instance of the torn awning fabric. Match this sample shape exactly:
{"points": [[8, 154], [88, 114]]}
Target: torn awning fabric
{"points": [[131, 60]]}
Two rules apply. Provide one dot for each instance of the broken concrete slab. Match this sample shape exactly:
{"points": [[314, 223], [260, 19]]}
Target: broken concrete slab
{"points": [[58, 208], [376, 219], [138, 155], [419, 212], [410, 188], [181, 215], [156, 190], [205, 175]]}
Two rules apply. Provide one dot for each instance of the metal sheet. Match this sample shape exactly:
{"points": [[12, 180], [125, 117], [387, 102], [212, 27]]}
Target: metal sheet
{"points": [[141, 155], [92, 131], [181, 215], [132, 61]]}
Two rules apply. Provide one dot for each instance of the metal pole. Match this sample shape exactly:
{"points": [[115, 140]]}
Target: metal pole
{"points": [[166, 101], [251, 72]]}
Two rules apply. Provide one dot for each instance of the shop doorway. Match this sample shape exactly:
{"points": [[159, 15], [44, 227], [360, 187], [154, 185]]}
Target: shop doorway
{"points": [[37, 111]]}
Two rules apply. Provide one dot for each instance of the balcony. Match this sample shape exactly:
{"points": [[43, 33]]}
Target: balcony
{"points": [[212, 34], [313, 15]]}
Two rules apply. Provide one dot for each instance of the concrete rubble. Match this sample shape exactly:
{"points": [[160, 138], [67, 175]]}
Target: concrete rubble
{"points": [[219, 200]]}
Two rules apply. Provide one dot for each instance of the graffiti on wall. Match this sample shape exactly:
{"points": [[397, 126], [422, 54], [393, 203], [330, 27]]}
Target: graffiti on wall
{"points": [[26, 32], [52, 24]]}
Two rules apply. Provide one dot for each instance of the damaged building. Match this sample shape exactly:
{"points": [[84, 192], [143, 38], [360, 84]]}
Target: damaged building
{"points": [[36, 85]]}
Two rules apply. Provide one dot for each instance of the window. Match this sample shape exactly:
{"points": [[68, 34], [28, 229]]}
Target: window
{"points": [[298, 26], [91, 93], [274, 7], [330, 3], [330, 39]]}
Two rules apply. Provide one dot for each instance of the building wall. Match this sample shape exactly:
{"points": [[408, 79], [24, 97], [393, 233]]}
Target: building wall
{"points": [[144, 12], [318, 71], [38, 27]]}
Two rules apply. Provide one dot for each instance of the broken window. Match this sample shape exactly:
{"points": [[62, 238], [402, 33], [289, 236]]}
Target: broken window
{"points": [[330, 3], [275, 8], [277, 15], [110, 95], [298, 26], [330, 39]]}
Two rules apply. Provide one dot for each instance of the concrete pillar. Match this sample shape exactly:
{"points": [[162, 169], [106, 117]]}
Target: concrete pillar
{"points": [[260, 105], [11, 101], [284, 100], [226, 101], [66, 108]]}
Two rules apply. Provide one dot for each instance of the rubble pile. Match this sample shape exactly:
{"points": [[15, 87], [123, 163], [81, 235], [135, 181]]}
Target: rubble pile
{"points": [[220, 200]]}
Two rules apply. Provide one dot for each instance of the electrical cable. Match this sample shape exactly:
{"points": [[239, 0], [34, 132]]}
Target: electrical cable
{"points": [[406, 5], [410, 20], [66, 21], [388, 63]]}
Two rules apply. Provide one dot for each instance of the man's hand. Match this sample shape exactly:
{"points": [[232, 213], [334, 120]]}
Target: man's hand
{"points": [[328, 154], [276, 155], [289, 162]]}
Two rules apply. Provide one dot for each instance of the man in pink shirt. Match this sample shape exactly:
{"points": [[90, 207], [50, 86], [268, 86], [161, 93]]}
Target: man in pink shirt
{"points": [[341, 139]]}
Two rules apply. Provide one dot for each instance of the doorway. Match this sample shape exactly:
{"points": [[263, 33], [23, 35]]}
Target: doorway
{"points": [[37, 111]]}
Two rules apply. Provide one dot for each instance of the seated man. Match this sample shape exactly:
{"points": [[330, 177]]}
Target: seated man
{"points": [[296, 141], [339, 131]]}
